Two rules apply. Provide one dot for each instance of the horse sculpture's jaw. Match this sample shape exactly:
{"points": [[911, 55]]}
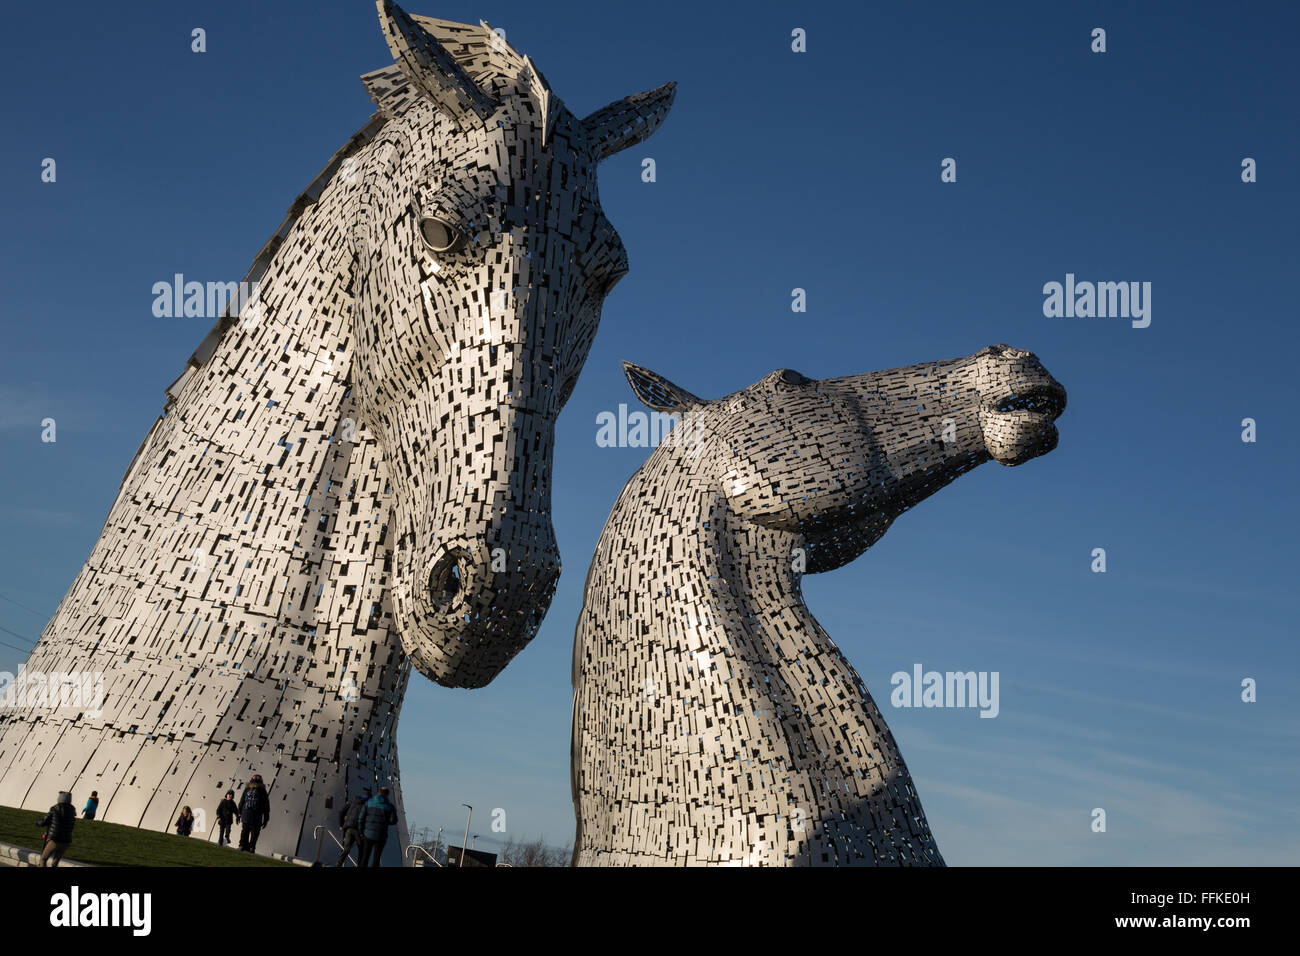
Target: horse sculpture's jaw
{"points": [[474, 555]]}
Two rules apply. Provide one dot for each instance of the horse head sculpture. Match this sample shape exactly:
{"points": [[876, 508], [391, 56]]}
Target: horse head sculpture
{"points": [[351, 477], [714, 720], [483, 258], [835, 461]]}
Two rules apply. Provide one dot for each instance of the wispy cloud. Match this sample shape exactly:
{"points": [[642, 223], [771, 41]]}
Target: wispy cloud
{"points": [[45, 516], [1029, 802], [20, 408], [23, 408], [1110, 703]]}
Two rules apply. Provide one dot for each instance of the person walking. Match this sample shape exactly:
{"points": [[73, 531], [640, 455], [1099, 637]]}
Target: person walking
{"points": [[185, 822], [227, 810], [91, 805], [376, 817], [58, 834], [350, 825], [254, 813]]}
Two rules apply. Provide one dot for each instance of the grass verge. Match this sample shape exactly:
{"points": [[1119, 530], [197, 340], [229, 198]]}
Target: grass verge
{"points": [[112, 844]]}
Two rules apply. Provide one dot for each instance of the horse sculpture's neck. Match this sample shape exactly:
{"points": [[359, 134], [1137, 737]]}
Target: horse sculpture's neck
{"points": [[227, 644], [715, 721]]}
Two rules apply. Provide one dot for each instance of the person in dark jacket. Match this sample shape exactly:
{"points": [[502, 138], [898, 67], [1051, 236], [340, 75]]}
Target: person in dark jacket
{"points": [[376, 817], [185, 822], [254, 813], [227, 810], [58, 834], [91, 805], [349, 823]]}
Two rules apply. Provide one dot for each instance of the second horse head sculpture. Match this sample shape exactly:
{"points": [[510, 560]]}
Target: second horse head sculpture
{"points": [[714, 720]]}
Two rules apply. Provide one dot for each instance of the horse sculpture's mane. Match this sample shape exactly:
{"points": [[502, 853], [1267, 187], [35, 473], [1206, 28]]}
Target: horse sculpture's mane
{"points": [[262, 261]]}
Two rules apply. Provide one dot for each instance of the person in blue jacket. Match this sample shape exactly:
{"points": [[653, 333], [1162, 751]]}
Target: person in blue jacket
{"points": [[376, 817], [91, 806]]}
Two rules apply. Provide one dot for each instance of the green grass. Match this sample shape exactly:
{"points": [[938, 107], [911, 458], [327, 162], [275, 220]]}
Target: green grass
{"points": [[112, 844]]}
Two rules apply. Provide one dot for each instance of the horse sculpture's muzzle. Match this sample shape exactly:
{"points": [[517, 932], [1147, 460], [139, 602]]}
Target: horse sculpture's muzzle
{"points": [[1020, 403], [476, 604]]}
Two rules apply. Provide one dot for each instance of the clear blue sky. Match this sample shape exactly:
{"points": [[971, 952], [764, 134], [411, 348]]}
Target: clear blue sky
{"points": [[779, 170]]}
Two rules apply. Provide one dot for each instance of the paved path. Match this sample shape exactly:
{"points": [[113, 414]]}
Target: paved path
{"points": [[11, 855]]}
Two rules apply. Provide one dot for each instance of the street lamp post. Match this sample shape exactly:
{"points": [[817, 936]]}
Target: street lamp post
{"points": [[464, 847]]}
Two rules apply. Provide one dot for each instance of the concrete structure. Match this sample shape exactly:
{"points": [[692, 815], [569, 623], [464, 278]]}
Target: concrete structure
{"points": [[714, 721], [351, 477]]}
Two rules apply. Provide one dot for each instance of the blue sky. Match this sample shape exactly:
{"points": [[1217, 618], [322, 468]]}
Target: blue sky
{"points": [[778, 170]]}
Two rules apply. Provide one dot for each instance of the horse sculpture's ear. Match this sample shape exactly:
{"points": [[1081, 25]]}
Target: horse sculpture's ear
{"points": [[657, 392], [432, 69], [544, 101], [628, 121]]}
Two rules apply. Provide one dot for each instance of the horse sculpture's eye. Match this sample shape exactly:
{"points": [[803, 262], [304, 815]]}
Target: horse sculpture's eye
{"points": [[789, 377], [439, 235]]}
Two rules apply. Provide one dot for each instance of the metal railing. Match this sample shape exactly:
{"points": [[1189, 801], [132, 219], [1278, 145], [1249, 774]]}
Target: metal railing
{"points": [[416, 846], [316, 836]]}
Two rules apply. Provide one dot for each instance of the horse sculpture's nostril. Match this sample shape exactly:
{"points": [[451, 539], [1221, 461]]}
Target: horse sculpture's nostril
{"points": [[447, 580]]}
